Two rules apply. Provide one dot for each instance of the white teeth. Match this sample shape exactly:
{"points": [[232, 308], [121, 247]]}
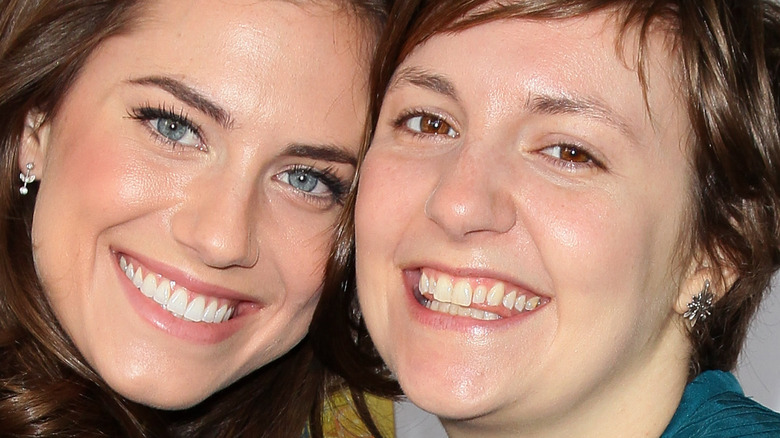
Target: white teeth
{"points": [[509, 300], [220, 313], [178, 302], [461, 293], [495, 294], [491, 316], [454, 309], [443, 291], [195, 309], [423, 286], [176, 299], [163, 293], [480, 293], [211, 310], [138, 278], [456, 299], [149, 286], [520, 303]]}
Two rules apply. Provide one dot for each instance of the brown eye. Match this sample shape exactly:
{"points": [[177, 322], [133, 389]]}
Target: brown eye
{"points": [[433, 125], [430, 124], [568, 153]]}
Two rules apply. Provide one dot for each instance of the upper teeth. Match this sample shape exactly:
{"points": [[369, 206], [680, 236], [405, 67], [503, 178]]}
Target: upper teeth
{"points": [[446, 297], [176, 299]]}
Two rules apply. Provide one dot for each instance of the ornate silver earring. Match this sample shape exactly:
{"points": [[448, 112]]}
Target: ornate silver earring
{"points": [[26, 178], [700, 307]]}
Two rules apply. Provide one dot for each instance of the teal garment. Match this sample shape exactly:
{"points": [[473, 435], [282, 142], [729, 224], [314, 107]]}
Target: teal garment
{"points": [[714, 406]]}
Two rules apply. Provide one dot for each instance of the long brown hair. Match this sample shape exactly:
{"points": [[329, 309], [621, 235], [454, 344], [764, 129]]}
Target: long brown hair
{"points": [[46, 386], [729, 55]]}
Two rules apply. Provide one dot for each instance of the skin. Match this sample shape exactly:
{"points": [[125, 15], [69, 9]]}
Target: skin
{"points": [[592, 229], [219, 204]]}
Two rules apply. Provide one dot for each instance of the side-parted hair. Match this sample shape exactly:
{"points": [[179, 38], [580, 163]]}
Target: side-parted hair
{"points": [[46, 386], [728, 56]]}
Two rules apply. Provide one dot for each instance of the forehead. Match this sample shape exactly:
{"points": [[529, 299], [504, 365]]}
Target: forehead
{"points": [[590, 59], [258, 59]]}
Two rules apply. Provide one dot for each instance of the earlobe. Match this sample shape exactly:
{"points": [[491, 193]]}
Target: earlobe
{"points": [[701, 290], [32, 148]]}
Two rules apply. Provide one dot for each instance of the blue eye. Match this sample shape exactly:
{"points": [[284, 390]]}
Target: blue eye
{"points": [[169, 127], [306, 180], [176, 131], [321, 187]]}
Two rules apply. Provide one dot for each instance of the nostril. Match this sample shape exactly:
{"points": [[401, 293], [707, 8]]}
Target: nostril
{"points": [[464, 207]]}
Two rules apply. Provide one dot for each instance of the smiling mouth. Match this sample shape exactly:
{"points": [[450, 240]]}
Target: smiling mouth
{"points": [[177, 300], [486, 301]]}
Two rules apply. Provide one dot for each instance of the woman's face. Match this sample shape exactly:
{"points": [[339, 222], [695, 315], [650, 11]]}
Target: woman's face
{"points": [[518, 218], [189, 183]]}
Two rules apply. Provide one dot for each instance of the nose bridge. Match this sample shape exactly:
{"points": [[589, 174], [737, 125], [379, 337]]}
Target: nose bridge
{"points": [[218, 221], [472, 193]]}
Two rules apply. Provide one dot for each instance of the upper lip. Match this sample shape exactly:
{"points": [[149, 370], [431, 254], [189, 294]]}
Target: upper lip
{"points": [[186, 280]]}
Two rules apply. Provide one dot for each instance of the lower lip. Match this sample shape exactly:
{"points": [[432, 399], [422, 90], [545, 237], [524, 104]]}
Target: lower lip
{"points": [[443, 321], [194, 332]]}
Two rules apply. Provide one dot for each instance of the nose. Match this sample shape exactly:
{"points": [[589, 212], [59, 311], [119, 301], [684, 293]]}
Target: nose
{"points": [[218, 224], [471, 196]]}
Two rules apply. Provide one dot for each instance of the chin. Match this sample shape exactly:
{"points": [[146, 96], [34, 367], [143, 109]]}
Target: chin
{"points": [[165, 401], [153, 394]]}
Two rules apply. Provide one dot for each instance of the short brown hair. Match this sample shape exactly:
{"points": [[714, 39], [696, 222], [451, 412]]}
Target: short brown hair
{"points": [[729, 57]]}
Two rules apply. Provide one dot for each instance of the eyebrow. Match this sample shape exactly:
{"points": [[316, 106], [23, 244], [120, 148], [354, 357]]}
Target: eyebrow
{"points": [[324, 152], [536, 103], [422, 78], [188, 95], [587, 107]]}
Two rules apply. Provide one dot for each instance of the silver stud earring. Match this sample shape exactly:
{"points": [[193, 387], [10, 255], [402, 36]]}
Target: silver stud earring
{"points": [[26, 178], [700, 307]]}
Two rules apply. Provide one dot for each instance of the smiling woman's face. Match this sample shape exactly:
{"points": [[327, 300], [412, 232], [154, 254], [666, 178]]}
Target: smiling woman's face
{"points": [[517, 224], [189, 184]]}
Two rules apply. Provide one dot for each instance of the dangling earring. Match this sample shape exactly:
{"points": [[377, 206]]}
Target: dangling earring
{"points": [[26, 178], [700, 307]]}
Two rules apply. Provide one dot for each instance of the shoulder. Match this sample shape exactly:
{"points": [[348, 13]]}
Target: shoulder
{"points": [[340, 417], [713, 406]]}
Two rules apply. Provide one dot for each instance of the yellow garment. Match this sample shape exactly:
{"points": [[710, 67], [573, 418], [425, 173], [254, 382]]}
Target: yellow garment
{"points": [[340, 419]]}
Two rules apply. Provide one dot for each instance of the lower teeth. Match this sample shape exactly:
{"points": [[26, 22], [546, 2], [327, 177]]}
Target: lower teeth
{"points": [[454, 309]]}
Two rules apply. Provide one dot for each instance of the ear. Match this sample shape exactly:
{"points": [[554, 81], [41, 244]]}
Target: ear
{"points": [[35, 140], [720, 276]]}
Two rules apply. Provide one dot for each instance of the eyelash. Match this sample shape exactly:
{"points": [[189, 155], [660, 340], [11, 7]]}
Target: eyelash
{"points": [[572, 165], [401, 123], [148, 113], [338, 188]]}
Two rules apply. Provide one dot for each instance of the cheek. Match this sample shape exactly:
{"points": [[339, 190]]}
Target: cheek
{"points": [[391, 191], [294, 247], [606, 249], [100, 172]]}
